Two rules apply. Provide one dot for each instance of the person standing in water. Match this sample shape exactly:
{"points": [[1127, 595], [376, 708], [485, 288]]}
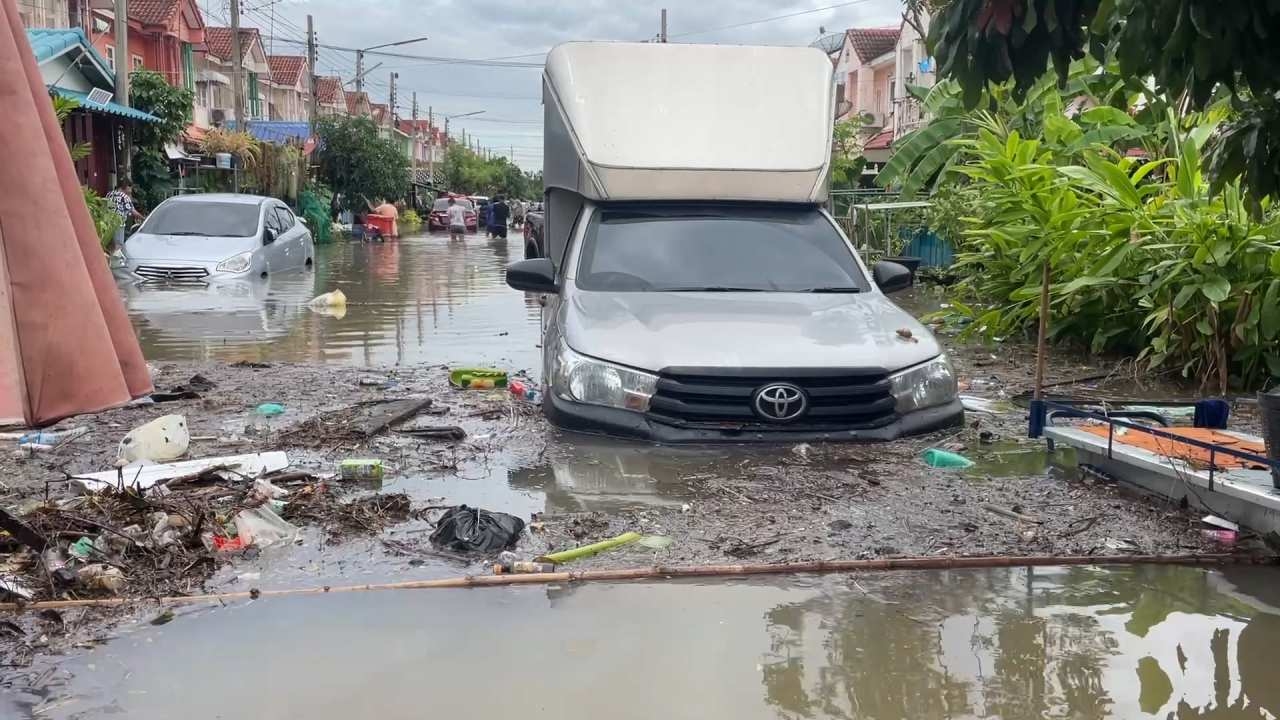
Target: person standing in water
{"points": [[457, 220]]}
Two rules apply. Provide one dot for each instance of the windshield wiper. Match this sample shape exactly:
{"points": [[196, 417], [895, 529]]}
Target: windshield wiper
{"points": [[709, 288], [834, 289]]}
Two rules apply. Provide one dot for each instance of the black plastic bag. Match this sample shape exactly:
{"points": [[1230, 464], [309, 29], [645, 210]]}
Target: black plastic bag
{"points": [[465, 529]]}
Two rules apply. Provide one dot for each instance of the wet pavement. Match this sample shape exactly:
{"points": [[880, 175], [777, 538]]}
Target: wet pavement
{"points": [[1017, 643], [1011, 643], [419, 300]]}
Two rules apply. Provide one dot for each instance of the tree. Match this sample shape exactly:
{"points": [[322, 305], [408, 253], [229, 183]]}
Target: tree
{"points": [[357, 163], [846, 155], [171, 105], [1193, 51], [467, 172]]}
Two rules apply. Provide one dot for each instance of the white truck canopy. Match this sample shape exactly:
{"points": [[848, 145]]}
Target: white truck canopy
{"points": [[649, 121]]}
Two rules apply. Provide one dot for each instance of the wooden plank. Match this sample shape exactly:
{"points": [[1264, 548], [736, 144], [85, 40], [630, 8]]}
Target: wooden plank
{"points": [[375, 418]]}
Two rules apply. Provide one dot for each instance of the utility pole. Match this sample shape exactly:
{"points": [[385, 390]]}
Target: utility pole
{"points": [[359, 71], [414, 134], [311, 76], [392, 109], [431, 144], [237, 68], [122, 53], [662, 34]]}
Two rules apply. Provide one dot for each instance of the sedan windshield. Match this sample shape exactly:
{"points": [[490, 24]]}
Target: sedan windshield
{"points": [[213, 219], [716, 248]]}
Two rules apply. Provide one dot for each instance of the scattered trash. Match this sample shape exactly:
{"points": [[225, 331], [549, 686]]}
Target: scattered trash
{"points": [[522, 567], [478, 378], [937, 458], [1226, 538], [1221, 523], [261, 527], [686, 508], [354, 423], [164, 618], [13, 587], [376, 381], [525, 390], [81, 549], [466, 529], [52, 438], [361, 469], [55, 564], [1121, 545], [564, 556], [1014, 514], [269, 409], [986, 437], [332, 299], [802, 450], [983, 405], [439, 432], [161, 440], [101, 577], [250, 364], [655, 542], [189, 390], [143, 477]]}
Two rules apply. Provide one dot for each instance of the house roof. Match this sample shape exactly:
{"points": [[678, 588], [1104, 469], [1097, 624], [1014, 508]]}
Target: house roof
{"points": [[879, 141], [329, 90], [410, 126], [153, 12], [49, 43], [217, 41], [871, 43], [286, 69], [354, 99], [378, 111]]}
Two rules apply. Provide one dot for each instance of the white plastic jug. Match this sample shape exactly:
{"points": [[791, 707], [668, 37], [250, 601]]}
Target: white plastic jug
{"points": [[161, 440]]}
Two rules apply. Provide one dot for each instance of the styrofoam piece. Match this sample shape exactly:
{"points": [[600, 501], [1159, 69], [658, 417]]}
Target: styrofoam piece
{"points": [[141, 478]]}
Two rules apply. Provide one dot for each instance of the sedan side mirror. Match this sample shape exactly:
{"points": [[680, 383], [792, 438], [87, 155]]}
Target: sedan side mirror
{"points": [[268, 236], [537, 276], [891, 277]]}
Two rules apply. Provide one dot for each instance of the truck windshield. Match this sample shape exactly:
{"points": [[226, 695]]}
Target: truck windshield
{"points": [[211, 219], [716, 248]]}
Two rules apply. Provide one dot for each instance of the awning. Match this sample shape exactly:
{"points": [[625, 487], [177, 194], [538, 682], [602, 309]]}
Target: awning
{"points": [[278, 132], [212, 76], [110, 108]]}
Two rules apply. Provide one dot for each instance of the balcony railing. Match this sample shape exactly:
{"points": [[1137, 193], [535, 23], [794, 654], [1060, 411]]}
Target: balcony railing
{"points": [[907, 116]]}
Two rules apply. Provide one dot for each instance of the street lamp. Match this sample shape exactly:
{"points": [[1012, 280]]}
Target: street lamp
{"points": [[447, 118], [360, 57]]}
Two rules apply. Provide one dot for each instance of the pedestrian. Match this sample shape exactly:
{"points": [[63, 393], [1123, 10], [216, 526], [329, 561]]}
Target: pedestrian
{"points": [[457, 220], [501, 213], [488, 219], [517, 214], [121, 200]]}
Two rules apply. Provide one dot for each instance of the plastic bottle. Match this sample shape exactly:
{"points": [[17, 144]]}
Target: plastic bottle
{"points": [[933, 457], [52, 438], [523, 567]]}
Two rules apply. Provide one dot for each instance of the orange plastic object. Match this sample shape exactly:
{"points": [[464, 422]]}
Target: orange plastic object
{"points": [[1197, 457], [385, 225]]}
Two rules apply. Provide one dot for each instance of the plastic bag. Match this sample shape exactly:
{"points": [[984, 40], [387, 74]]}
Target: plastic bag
{"points": [[161, 440], [261, 527], [465, 529]]}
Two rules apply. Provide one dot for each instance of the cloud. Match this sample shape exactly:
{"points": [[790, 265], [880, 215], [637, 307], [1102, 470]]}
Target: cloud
{"points": [[505, 28]]}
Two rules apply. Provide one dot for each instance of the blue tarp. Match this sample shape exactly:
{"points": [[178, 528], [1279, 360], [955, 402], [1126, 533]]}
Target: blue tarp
{"points": [[278, 132]]}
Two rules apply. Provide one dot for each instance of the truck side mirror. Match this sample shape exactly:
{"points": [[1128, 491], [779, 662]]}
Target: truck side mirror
{"points": [[537, 276], [891, 277]]}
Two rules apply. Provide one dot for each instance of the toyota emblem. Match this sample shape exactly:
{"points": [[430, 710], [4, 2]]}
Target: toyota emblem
{"points": [[780, 402]]}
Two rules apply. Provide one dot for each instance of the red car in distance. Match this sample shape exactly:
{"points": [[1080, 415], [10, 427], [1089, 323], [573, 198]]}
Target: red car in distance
{"points": [[439, 217]]}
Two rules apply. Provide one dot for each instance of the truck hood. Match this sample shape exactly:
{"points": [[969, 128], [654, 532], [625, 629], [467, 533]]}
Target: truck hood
{"points": [[652, 331]]}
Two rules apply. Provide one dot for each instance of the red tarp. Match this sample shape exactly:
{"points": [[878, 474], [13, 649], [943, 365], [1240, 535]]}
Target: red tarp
{"points": [[66, 346]]}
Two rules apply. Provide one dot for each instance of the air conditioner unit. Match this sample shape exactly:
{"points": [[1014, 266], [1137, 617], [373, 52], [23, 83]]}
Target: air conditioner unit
{"points": [[873, 119], [218, 116]]}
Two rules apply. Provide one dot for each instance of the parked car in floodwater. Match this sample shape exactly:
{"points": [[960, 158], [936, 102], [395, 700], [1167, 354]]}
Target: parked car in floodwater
{"points": [[197, 238], [439, 217]]}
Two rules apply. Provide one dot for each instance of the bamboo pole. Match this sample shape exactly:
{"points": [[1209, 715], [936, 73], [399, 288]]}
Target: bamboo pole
{"points": [[564, 556], [1042, 337], [663, 572]]}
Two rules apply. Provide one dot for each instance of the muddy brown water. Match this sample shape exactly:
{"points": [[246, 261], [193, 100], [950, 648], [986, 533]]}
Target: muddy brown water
{"points": [[1010, 643], [1016, 643]]}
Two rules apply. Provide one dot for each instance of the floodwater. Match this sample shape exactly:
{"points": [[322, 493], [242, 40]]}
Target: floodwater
{"points": [[418, 300], [1009, 643]]}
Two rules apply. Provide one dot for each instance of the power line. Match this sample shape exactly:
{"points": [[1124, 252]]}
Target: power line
{"points": [[429, 58], [769, 19]]}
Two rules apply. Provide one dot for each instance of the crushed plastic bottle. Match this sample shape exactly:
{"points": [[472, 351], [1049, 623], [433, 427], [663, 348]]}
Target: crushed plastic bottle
{"points": [[52, 438]]}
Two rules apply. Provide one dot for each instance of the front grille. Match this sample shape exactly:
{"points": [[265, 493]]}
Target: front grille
{"points": [[840, 399], [174, 274]]}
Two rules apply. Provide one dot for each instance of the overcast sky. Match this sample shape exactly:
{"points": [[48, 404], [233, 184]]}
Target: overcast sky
{"points": [[519, 31]]}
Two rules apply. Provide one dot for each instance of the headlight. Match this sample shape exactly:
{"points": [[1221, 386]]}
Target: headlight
{"points": [[926, 385], [595, 382], [236, 264]]}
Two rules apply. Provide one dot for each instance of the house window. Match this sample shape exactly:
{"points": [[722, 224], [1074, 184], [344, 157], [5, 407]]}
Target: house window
{"points": [[111, 56], [137, 62], [188, 67]]}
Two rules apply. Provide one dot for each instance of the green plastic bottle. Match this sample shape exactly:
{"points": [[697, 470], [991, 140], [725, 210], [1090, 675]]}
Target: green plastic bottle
{"points": [[933, 457]]}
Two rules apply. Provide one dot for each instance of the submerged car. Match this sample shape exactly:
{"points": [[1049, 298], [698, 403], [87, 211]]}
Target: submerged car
{"points": [[439, 217], [198, 238], [694, 287]]}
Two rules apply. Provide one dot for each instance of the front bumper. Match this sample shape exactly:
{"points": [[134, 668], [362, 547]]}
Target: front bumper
{"points": [[597, 420]]}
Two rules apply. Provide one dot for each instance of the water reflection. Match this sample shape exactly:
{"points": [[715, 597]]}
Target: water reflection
{"points": [[417, 300], [1027, 643]]}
